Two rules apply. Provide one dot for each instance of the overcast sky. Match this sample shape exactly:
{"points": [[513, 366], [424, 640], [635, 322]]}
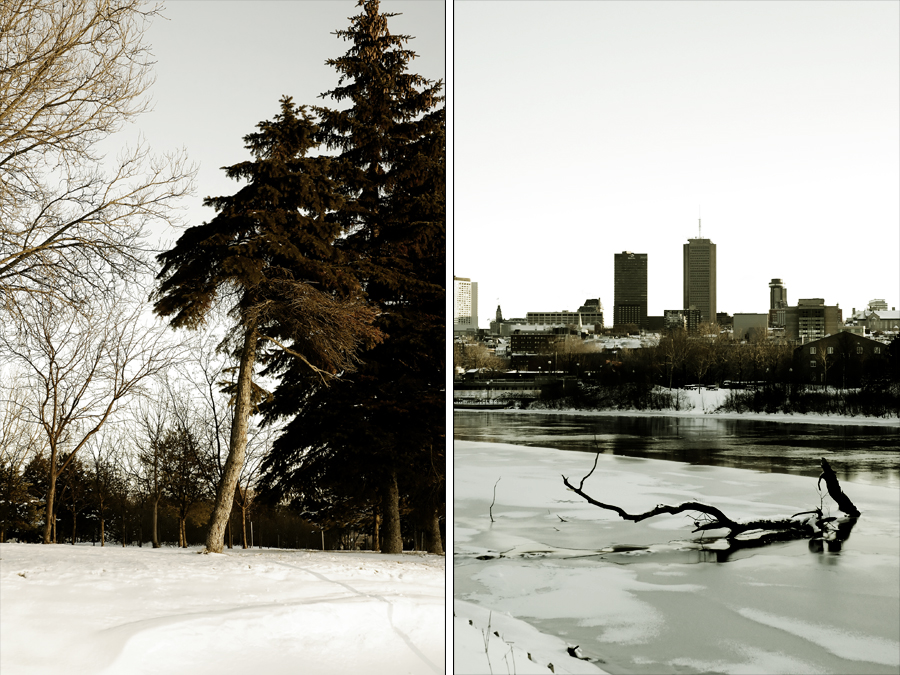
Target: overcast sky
{"points": [[222, 67], [584, 129]]}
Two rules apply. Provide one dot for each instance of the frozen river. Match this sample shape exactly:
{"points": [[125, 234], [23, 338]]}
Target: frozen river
{"points": [[649, 597]]}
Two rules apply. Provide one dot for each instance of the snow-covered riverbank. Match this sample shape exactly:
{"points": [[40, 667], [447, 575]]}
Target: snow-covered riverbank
{"points": [[83, 609], [553, 572], [705, 402]]}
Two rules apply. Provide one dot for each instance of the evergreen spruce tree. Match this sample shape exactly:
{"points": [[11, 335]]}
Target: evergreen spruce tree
{"points": [[269, 252], [387, 419]]}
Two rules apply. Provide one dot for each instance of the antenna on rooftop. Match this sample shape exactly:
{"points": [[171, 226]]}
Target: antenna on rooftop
{"points": [[699, 225]]}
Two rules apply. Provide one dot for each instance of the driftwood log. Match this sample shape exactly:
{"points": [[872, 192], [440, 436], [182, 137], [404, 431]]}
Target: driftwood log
{"points": [[713, 518]]}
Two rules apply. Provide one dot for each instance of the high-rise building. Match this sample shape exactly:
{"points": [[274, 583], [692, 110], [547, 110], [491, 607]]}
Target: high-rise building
{"points": [[700, 277], [777, 294], [777, 302], [465, 305], [630, 289]]}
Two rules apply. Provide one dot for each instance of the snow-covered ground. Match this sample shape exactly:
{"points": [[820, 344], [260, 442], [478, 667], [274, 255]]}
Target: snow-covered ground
{"points": [[83, 609], [553, 572], [694, 402]]}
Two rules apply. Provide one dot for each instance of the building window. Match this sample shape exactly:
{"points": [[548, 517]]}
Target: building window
{"points": [[831, 350], [877, 350], [812, 364], [812, 350], [859, 349]]}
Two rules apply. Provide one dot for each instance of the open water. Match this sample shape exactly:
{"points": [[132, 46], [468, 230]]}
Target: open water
{"points": [[864, 454]]}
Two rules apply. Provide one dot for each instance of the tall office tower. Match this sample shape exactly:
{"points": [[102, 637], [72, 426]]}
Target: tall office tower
{"points": [[777, 294], [630, 289], [700, 277], [777, 303], [465, 305]]}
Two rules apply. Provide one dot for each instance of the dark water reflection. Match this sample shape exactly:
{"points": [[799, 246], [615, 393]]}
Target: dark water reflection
{"points": [[865, 454]]}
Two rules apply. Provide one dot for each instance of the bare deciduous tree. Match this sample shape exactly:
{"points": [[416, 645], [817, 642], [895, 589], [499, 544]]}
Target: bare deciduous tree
{"points": [[71, 74], [106, 474], [150, 418], [83, 364], [19, 436], [475, 355], [676, 347]]}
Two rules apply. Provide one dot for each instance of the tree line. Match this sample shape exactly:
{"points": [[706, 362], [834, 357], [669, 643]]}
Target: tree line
{"points": [[709, 357], [308, 378]]}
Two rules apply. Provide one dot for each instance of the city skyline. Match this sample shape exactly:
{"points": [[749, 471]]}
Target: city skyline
{"points": [[774, 123]]}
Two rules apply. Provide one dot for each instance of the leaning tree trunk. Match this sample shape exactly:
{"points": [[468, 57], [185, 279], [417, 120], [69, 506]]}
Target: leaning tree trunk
{"points": [[236, 448], [390, 506]]}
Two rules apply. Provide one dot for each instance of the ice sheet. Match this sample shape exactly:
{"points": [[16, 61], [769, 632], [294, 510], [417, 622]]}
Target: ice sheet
{"points": [[636, 594]]}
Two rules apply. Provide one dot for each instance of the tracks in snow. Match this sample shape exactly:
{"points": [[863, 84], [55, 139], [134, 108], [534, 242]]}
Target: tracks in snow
{"points": [[390, 613]]}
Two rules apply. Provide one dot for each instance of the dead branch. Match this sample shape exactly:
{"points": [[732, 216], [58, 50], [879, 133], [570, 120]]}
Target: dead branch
{"points": [[716, 519], [491, 507], [835, 491]]}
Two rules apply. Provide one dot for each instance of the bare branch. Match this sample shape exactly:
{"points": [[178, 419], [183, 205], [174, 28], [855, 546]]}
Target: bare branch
{"points": [[71, 74], [717, 519]]}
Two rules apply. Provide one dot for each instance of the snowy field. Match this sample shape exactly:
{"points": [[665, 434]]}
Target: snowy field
{"points": [[552, 572], [83, 609]]}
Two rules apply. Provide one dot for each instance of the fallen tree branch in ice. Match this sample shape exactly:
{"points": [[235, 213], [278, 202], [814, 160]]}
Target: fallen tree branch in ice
{"points": [[713, 518], [491, 507], [835, 491]]}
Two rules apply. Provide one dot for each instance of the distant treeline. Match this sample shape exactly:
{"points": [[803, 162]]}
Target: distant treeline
{"points": [[103, 504], [876, 400], [680, 359], [879, 400]]}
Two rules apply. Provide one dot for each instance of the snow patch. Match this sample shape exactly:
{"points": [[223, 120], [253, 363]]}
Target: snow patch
{"points": [[842, 643]]}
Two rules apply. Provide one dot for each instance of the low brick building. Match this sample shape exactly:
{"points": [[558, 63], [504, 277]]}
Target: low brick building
{"points": [[841, 360]]}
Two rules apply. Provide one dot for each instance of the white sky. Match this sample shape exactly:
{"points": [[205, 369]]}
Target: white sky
{"points": [[222, 67], [584, 129]]}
